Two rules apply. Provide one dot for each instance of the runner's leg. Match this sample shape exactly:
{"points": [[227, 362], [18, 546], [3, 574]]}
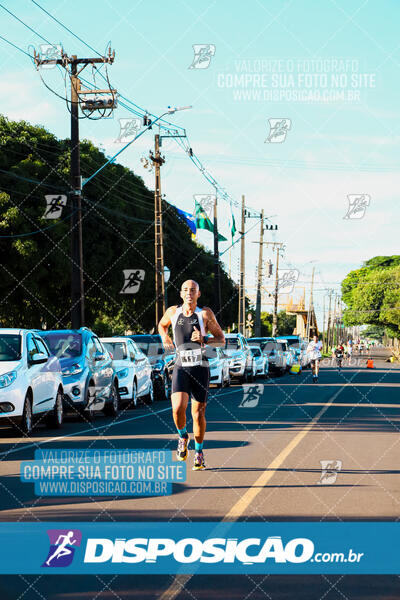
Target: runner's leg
{"points": [[199, 420]]}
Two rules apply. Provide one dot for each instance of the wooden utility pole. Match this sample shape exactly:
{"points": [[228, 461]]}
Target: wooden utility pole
{"points": [[77, 284], [217, 273], [242, 279], [275, 314], [328, 340], [257, 328], [158, 160], [310, 308]]}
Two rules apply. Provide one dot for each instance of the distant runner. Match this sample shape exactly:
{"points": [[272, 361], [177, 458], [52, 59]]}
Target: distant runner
{"points": [[191, 374], [314, 348]]}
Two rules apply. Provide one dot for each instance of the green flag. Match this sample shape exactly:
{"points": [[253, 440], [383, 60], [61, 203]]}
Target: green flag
{"points": [[233, 225], [203, 222]]}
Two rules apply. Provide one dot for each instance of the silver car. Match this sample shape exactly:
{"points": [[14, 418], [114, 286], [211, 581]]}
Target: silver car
{"points": [[241, 363]]}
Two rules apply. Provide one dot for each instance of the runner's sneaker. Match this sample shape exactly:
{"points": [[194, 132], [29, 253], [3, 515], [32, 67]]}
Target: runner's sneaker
{"points": [[199, 462], [182, 450]]}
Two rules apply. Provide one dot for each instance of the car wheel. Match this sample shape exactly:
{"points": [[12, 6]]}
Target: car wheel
{"points": [[134, 400], [245, 377], [220, 384], [149, 398], [86, 410], [162, 387], [56, 416], [228, 380], [111, 408], [26, 423], [250, 375]]}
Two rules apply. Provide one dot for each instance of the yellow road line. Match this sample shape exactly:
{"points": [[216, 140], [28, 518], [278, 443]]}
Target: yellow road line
{"points": [[181, 579]]}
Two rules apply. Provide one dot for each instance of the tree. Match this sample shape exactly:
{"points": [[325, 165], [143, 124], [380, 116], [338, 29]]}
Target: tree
{"points": [[372, 294], [118, 234]]}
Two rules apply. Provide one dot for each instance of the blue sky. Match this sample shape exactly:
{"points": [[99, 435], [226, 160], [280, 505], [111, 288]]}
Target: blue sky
{"points": [[332, 149]]}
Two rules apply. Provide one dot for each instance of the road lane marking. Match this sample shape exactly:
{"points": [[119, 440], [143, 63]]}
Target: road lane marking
{"points": [[181, 579]]}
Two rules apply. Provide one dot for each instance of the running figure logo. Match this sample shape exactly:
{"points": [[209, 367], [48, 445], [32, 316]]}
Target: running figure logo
{"points": [[133, 279], [287, 280], [51, 52], [207, 202], [357, 206], [251, 396], [278, 129], [203, 54], [128, 128], [329, 471], [62, 547], [54, 207]]}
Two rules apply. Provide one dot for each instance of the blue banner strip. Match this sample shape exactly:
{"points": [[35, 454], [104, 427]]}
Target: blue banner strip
{"points": [[200, 547]]}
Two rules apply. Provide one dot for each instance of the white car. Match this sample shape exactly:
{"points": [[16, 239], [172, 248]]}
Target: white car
{"points": [[30, 381], [260, 361], [218, 363], [133, 370], [241, 362]]}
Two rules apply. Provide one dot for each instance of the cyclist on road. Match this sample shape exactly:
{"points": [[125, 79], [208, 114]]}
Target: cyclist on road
{"points": [[191, 375], [314, 348]]}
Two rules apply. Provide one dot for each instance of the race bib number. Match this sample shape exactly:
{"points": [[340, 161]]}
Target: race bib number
{"points": [[190, 358]]}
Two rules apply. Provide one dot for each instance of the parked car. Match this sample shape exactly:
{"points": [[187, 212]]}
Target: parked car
{"points": [[275, 354], [89, 380], [284, 348], [305, 357], [133, 370], [31, 386], [161, 361], [218, 362], [260, 361], [241, 364], [294, 345]]}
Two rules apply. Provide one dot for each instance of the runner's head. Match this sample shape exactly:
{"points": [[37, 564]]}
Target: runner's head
{"points": [[190, 291]]}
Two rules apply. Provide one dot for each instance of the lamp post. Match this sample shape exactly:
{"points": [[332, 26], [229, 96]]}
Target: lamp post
{"points": [[167, 274]]}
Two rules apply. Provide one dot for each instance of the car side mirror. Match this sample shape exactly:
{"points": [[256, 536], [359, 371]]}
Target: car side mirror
{"points": [[38, 358]]}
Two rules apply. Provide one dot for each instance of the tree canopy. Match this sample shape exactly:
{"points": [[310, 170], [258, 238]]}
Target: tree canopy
{"points": [[372, 294], [118, 234]]}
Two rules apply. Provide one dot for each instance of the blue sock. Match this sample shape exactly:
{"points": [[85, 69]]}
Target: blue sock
{"points": [[182, 432], [198, 447]]}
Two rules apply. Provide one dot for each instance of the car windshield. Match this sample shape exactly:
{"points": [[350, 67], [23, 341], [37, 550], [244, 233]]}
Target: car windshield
{"points": [[211, 352], [117, 349], [232, 343], [255, 351], [63, 345], [270, 347], [149, 345], [293, 342], [10, 347]]}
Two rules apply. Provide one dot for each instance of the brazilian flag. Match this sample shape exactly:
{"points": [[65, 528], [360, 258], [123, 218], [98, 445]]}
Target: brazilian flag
{"points": [[203, 222]]}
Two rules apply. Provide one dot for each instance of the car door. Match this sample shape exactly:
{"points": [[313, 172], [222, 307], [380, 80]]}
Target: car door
{"points": [[48, 369], [142, 365], [104, 369], [137, 367], [35, 377]]}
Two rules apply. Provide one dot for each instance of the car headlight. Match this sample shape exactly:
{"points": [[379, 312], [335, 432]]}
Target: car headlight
{"points": [[123, 373], [7, 379], [72, 370]]}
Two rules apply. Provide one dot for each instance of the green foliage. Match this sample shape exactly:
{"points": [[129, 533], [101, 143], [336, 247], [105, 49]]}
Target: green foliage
{"points": [[118, 234], [372, 294], [285, 326]]}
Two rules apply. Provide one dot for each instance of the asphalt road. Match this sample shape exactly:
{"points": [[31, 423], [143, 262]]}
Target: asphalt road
{"points": [[264, 447]]}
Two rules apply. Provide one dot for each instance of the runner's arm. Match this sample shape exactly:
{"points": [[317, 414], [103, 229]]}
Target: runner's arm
{"points": [[163, 327], [211, 324]]}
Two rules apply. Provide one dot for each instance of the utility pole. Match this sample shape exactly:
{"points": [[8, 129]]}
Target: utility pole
{"points": [[310, 308], [323, 327], [217, 273], [328, 341], [242, 295], [158, 160], [77, 284], [257, 328], [277, 246]]}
